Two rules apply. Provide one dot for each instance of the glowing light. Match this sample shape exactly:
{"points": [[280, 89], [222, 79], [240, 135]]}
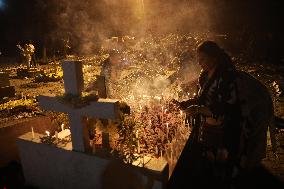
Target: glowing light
{"points": [[47, 132]]}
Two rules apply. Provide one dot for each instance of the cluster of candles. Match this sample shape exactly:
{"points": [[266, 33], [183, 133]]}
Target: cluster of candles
{"points": [[163, 127]]}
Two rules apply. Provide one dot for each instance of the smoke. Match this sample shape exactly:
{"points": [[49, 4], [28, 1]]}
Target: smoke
{"points": [[178, 16], [88, 23]]}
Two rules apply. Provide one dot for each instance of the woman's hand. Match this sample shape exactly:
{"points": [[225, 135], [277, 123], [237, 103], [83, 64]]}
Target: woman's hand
{"points": [[193, 110]]}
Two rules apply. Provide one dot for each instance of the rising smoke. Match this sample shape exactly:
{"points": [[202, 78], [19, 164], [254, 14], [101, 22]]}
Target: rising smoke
{"points": [[89, 22]]}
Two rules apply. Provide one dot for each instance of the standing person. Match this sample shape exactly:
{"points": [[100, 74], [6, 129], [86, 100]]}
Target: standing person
{"points": [[28, 52], [233, 112], [220, 110], [111, 70]]}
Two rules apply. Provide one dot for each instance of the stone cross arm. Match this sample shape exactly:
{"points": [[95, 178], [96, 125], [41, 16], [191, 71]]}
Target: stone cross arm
{"points": [[103, 108]]}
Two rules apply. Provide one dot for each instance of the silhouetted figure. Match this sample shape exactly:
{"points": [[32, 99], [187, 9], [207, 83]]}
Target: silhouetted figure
{"points": [[28, 52], [215, 153], [111, 70]]}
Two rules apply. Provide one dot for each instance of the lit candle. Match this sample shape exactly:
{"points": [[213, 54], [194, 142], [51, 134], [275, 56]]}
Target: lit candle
{"points": [[138, 144], [33, 134], [62, 126], [56, 136], [167, 131], [191, 122], [161, 154], [162, 114], [157, 151], [47, 132], [181, 115], [172, 152]]}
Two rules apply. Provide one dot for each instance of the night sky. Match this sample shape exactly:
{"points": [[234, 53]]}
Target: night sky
{"points": [[41, 21]]}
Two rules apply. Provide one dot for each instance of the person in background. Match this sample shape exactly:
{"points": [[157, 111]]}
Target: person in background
{"points": [[111, 70], [28, 52]]}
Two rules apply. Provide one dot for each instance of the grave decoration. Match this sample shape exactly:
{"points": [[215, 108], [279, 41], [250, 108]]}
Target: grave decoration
{"points": [[78, 108], [23, 107], [23, 72]]}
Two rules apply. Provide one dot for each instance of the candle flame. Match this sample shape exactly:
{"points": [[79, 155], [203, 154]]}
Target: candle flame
{"points": [[47, 132]]}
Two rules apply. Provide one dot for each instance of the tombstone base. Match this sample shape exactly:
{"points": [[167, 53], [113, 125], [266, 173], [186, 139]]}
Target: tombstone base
{"points": [[47, 166], [28, 72]]}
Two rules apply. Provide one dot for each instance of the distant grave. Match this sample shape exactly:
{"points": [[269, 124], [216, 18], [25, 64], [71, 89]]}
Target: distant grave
{"points": [[28, 72], [5, 89], [75, 164]]}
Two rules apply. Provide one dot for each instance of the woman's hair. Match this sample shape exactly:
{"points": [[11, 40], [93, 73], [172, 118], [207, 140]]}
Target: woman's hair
{"points": [[211, 49]]}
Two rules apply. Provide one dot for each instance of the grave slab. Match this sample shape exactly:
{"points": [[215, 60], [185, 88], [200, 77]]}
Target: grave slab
{"points": [[47, 166], [25, 72]]}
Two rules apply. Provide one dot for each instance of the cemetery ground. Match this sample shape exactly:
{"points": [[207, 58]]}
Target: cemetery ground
{"points": [[28, 89]]}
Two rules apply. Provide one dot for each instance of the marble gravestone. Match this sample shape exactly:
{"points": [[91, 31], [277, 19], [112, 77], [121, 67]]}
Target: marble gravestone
{"points": [[73, 165]]}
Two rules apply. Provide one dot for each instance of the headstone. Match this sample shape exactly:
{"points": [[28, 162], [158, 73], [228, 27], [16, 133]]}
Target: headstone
{"points": [[101, 86], [98, 86], [5, 89]]}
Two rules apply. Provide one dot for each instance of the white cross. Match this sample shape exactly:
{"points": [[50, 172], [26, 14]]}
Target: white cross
{"points": [[73, 84]]}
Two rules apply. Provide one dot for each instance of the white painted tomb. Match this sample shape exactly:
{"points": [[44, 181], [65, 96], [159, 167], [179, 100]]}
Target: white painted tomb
{"points": [[72, 164]]}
